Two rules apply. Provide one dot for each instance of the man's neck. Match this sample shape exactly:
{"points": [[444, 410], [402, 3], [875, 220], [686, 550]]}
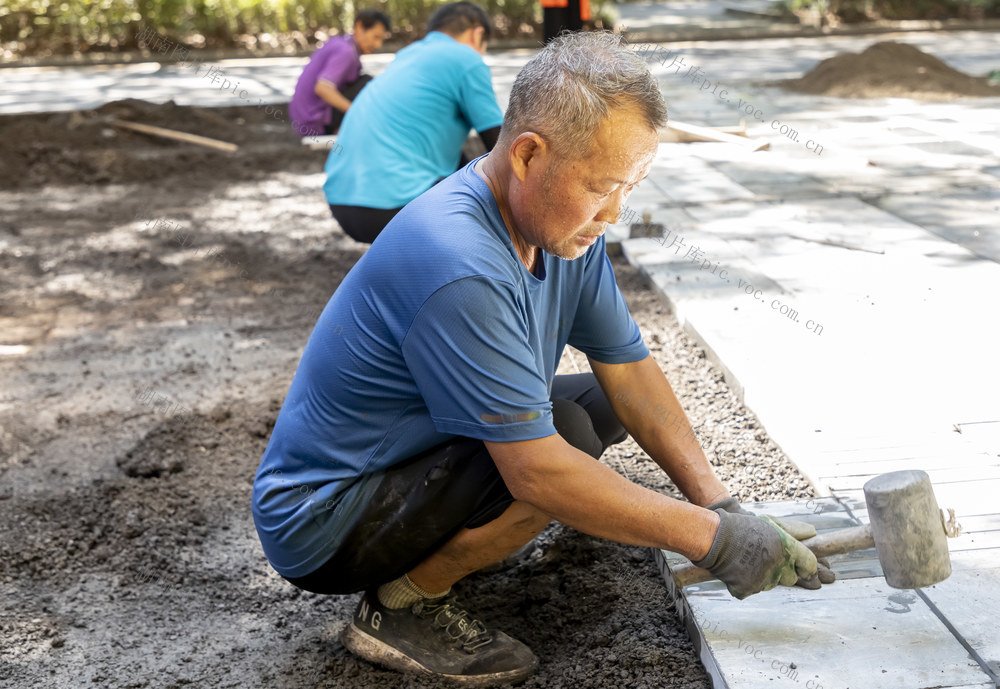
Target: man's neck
{"points": [[525, 252]]}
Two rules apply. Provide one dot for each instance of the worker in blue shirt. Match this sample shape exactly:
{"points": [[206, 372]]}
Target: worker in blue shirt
{"points": [[426, 434], [405, 130]]}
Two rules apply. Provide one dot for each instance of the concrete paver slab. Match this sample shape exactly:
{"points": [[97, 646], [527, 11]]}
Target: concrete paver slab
{"points": [[891, 297], [971, 599], [968, 218], [686, 180], [856, 633]]}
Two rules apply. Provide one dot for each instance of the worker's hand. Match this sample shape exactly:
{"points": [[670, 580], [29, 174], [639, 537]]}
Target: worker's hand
{"points": [[753, 554], [800, 531]]}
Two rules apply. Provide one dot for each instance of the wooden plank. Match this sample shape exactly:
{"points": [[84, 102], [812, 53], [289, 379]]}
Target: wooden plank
{"points": [[710, 134], [669, 135]]}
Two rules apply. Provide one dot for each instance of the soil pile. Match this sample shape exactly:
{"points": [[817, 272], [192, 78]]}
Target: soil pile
{"points": [[890, 69], [85, 147]]}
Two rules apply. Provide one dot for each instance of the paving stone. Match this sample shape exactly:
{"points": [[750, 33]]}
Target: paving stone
{"points": [[855, 633], [956, 148], [774, 181], [970, 601], [690, 180], [968, 218], [983, 434]]}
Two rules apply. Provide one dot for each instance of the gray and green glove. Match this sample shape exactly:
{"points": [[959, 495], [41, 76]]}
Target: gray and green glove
{"points": [[800, 531], [753, 554]]}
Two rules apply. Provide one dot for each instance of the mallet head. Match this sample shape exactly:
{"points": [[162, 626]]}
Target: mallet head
{"points": [[908, 529]]}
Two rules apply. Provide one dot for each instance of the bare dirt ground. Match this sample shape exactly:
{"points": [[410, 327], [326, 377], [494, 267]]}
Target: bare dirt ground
{"points": [[155, 301]]}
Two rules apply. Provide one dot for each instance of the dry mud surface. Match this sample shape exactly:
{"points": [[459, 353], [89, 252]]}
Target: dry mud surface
{"points": [[149, 327]]}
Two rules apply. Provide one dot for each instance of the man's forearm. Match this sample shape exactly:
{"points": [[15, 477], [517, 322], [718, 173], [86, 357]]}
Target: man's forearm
{"points": [[332, 96], [579, 491], [646, 405]]}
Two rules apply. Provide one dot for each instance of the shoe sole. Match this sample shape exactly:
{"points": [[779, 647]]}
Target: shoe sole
{"points": [[371, 649]]}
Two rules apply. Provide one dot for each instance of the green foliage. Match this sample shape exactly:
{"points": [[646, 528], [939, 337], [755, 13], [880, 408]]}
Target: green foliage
{"points": [[33, 26]]}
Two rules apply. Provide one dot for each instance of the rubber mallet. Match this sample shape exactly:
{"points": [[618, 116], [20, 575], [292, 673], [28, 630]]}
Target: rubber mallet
{"points": [[906, 528]]}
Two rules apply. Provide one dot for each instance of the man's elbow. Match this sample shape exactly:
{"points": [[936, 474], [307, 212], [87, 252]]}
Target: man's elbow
{"points": [[530, 468], [524, 488], [520, 477]]}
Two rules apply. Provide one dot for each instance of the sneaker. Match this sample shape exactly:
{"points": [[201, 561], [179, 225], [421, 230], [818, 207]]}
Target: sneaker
{"points": [[436, 637]]}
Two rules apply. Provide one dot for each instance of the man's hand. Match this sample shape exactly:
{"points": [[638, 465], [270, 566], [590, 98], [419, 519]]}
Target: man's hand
{"points": [[754, 554], [800, 531]]}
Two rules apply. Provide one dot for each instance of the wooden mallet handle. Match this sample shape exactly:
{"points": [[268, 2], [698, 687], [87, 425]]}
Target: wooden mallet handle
{"points": [[823, 545]]}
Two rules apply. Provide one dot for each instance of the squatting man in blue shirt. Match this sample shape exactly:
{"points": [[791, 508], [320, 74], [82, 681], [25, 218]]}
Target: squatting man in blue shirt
{"points": [[425, 434]]}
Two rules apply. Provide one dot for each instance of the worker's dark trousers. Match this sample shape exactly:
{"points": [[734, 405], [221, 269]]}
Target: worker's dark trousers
{"points": [[421, 503], [350, 92], [363, 224]]}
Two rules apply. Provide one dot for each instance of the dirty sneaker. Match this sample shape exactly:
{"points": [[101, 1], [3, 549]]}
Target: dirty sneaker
{"points": [[436, 637]]}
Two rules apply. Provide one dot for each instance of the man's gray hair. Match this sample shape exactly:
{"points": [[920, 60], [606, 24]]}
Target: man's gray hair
{"points": [[567, 90]]}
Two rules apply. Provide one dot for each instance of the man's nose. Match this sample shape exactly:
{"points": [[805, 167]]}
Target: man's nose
{"points": [[611, 208]]}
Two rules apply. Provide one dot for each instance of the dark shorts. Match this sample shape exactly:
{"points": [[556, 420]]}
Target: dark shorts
{"points": [[423, 502]]}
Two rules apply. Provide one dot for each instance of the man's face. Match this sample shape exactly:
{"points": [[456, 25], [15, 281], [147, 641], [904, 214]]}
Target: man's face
{"points": [[369, 40], [564, 208]]}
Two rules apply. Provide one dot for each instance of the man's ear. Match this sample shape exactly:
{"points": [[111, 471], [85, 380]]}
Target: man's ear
{"points": [[528, 154], [477, 37]]}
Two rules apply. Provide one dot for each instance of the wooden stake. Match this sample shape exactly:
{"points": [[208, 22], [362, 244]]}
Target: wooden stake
{"points": [[176, 135]]}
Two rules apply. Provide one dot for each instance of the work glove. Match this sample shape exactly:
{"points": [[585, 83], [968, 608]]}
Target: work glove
{"points": [[800, 531], [753, 554]]}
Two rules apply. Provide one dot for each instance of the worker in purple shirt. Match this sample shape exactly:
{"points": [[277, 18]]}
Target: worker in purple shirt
{"points": [[332, 79]]}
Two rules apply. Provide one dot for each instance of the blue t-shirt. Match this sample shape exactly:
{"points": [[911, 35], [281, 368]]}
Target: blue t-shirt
{"points": [[439, 330], [405, 130]]}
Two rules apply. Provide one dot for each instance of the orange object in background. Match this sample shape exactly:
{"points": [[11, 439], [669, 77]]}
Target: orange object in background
{"points": [[584, 6], [561, 15]]}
